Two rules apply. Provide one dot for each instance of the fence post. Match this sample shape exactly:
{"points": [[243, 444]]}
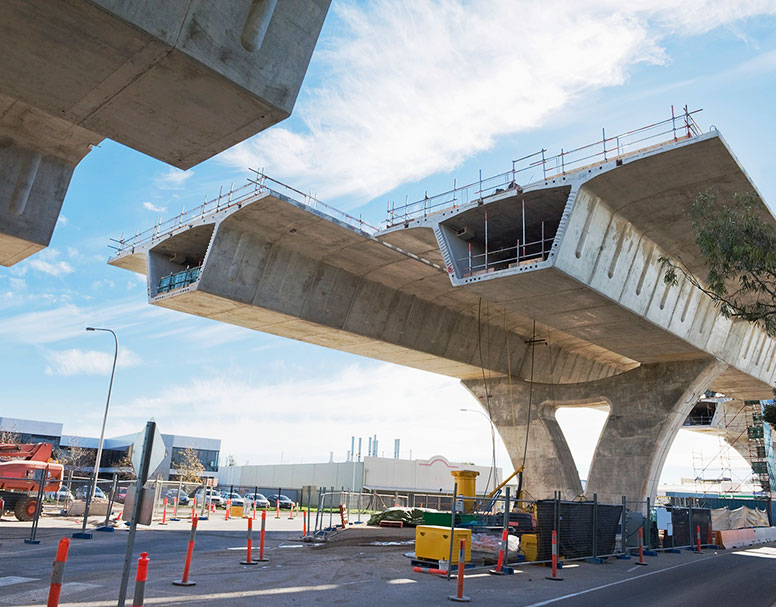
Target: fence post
{"points": [[106, 526], [452, 530], [38, 507], [648, 532]]}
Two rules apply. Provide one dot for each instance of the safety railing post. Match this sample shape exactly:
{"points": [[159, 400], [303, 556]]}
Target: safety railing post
{"points": [[452, 529], [624, 527], [184, 581], [140, 580]]}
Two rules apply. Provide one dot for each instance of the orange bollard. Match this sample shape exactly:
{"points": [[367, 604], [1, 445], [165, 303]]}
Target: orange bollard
{"points": [[185, 579], [499, 570], [249, 559], [277, 509], [554, 577], [254, 509], [174, 509], [641, 547], [140, 581], [304, 523], [291, 513], [164, 513], [698, 537], [227, 512], [261, 537], [2, 507], [58, 573], [459, 597], [193, 508], [343, 516]]}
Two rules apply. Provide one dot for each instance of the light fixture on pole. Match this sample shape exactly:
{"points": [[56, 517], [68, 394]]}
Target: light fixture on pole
{"points": [[492, 443], [83, 534]]}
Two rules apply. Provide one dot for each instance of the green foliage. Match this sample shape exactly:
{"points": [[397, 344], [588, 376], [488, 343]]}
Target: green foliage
{"points": [[739, 249]]}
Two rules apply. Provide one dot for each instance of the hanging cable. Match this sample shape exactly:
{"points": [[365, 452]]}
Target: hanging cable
{"points": [[530, 393], [487, 392]]}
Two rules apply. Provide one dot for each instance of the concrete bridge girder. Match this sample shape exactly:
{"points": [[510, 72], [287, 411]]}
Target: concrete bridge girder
{"points": [[647, 407], [180, 80]]}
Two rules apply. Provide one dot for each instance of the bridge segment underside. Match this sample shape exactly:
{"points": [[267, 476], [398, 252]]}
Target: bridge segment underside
{"points": [[180, 81], [584, 315]]}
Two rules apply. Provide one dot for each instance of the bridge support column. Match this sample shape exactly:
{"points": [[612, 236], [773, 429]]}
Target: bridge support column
{"points": [[647, 407]]}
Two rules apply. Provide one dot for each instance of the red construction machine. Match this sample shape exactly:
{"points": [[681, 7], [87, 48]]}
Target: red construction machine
{"points": [[21, 469]]}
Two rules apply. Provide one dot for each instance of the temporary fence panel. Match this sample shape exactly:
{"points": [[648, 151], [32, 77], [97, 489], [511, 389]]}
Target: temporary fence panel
{"points": [[585, 529]]}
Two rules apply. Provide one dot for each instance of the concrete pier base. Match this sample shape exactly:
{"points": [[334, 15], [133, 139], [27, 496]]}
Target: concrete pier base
{"points": [[647, 407]]}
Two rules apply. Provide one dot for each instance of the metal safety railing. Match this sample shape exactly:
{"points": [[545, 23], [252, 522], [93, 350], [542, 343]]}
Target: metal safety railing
{"points": [[681, 126], [234, 197], [178, 280], [528, 253]]}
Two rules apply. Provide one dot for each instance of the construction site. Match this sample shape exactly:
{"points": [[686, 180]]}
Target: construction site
{"points": [[536, 288]]}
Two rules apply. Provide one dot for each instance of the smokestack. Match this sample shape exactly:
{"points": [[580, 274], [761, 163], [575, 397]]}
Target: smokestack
{"points": [[396, 449], [359, 448]]}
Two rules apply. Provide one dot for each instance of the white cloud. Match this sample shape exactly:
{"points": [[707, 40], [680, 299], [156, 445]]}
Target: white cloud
{"points": [[156, 209], [62, 220], [416, 87], [88, 362], [67, 321], [172, 179], [48, 262]]}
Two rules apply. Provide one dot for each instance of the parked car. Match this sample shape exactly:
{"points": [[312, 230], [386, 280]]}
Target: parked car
{"points": [[258, 501], [183, 499], [121, 495], [284, 501], [212, 496], [236, 499], [62, 495], [82, 491]]}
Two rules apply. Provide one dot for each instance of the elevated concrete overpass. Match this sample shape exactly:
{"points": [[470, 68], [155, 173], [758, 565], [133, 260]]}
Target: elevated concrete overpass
{"points": [[536, 297], [179, 80]]}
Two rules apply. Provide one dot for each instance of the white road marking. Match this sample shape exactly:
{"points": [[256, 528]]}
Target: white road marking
{"points": [[633, 568], [9, 580], [630, 579], [39, 595]]}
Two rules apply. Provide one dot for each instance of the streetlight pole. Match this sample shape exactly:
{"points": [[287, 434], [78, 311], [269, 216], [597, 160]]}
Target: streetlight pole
{"points": [[93, 486], [492, 442]]}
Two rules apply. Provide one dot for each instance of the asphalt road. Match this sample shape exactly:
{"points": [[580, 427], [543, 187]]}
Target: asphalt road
{"points": [[358, 571]]}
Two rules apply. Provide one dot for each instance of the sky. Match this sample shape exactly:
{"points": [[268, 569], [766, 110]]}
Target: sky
{"points": [[401, 98]]}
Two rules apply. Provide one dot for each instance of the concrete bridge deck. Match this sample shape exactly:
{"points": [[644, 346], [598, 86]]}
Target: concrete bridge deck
{"points": [[556, 281]]}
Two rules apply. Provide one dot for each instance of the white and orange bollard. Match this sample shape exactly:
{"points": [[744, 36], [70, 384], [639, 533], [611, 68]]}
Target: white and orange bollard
{"points": [[277, 509], [2, 507], [249, 557], [698, 538], [641, 547], [192, 534], [459, 597], [228, 510], [174, 516], [554, 577], [291, 513], [164, 512], [140, 580], [58, 573], [193, 508], [261, 537], [304, 523], [500, 569]]}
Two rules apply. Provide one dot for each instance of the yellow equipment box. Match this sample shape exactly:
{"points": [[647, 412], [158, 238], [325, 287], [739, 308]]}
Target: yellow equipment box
{"points": [[236, 512], [433, 543], [529, 546]]}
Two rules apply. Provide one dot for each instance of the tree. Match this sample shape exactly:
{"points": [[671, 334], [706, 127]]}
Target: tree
{"points": [[10, 437], [738, 247], [127, 470], [75, 457], [189, 467]]}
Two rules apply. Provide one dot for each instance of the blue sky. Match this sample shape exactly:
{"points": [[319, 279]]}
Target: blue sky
{"points": [[400, 98]]}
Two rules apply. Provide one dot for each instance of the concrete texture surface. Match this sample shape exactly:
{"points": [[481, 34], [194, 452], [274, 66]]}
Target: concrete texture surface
{"points": [[180, 81], [588, 320]]}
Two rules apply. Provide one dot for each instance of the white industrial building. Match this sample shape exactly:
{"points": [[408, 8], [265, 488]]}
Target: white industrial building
{"points": [[380, 474]]}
